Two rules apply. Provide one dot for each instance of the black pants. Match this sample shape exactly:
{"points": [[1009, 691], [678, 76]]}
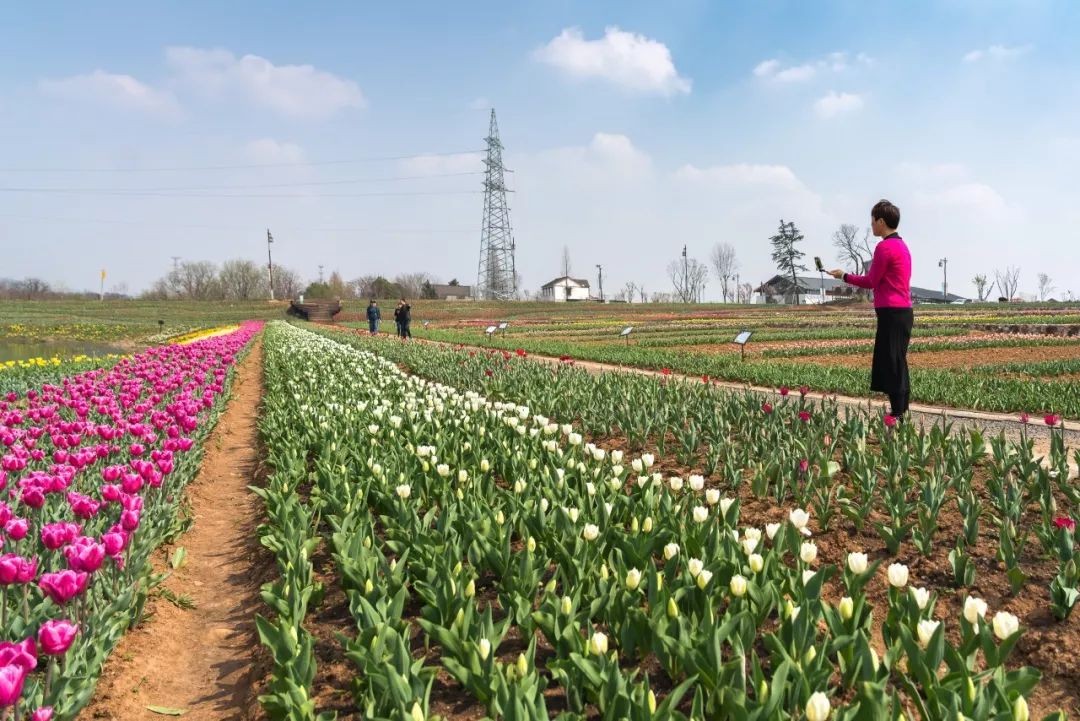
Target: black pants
{"points": [[406, 332], [890, 369]]}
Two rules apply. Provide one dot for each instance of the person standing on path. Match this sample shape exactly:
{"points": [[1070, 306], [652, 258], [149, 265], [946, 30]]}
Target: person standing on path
{"points": [[397, 317], [889, 276], [374, 315], [406, 319]]}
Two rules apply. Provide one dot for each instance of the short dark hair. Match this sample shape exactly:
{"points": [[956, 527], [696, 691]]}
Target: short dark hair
{"points": [[887, 212]]}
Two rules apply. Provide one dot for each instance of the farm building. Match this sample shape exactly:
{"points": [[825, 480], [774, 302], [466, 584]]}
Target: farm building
{"points": [[452, 292], [779, 289], [924, 295], [565, 288]]}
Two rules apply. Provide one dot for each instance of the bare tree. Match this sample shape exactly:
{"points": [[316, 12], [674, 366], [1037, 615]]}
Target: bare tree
{"points": [[339, 288], [983, 287], [642, 294], [688, 278], [746, 291], [662, 298], [724, 265], [565, 266], [1045, 286], [1008, 281], [287, 283], [242, 280], [194, 280], [851, 250], [629, 290], [413, 283]]}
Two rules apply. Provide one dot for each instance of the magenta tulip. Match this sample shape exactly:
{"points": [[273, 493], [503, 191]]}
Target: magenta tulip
{"points": [[17, 528], [55, 637], [22, 654], [45, 713], [62, 586], [11, 685]]}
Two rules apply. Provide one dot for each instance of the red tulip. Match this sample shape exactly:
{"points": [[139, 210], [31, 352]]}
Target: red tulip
{"points": [[804, 390], [55, 637], [766, 408], [1052, 419], [1065, 522], [665, 371], [890, 421], [1024, 418], [804, 466], [804, 416], [784, 391]]}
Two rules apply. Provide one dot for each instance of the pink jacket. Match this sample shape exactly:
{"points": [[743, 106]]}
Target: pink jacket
{"points": [[889, 275]]}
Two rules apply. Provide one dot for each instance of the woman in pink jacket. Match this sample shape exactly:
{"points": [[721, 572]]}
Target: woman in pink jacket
{"points": [[889, 277]]}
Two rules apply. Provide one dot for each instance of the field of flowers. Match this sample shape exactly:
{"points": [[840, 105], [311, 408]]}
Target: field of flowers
{"points": [[509, 540], [94, 468]]}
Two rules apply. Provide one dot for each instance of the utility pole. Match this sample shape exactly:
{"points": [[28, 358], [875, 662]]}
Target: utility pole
{"points": [[320, 273], [738, 293], [102, 295], [600, 270], [685, 277], [270, 262], [176, 262], [496, 273], [944, 265]]}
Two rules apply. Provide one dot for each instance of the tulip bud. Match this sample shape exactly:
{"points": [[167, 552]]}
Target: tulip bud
{"points": [[1020, 709], [550, 587], [921, 596], [703, 579], [484, 649], [809, 656], [659, 581], [808, 552], [847, 608], [634, 527], [970, 690], [670, 551], [763, 691], [531, 544], [459, 618], [368, 587], [566, 605], [672, 607], [598, 644], [417, 713], [470, 588], [756, 562], [857, 563], [875, 662], [457, 569], [738, 586], [604, 573], [484, 466], [522, 665], [652, 703], [818, 707], [633, 579], [647, 525], [500, 518]]}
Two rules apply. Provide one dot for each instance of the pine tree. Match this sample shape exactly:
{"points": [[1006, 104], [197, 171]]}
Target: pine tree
{"points": [[786, 255]]}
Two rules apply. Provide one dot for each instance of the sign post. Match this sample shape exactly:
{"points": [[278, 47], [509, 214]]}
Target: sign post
{"points": [[626, 333], [741, 340]]}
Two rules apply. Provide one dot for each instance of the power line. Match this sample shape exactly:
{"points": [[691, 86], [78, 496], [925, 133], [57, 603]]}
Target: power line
{"points": [[245, 186], [293, 164], [245, 228], [133, 193]]}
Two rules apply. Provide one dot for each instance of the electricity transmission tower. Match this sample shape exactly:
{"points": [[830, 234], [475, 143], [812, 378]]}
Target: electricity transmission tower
{"points": [[496, 277]]}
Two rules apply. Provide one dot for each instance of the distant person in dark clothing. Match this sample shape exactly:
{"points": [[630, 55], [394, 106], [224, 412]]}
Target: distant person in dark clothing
{"points": [[406, 319], [374, 315], [397, 317]]}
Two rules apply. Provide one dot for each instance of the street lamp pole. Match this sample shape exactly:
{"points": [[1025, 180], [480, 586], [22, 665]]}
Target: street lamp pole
{"points": [[600, 270], [944, 265], [270, 262]]}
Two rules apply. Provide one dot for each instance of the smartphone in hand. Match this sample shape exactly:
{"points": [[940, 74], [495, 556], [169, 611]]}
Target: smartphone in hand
{"points": [[818, 265]]}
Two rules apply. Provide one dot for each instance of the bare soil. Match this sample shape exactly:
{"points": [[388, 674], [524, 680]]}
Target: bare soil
{"points": [[203, 660]]}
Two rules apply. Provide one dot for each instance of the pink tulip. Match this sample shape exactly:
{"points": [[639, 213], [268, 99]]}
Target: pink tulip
{"points": [[114, 543], [63, 586], [85, 554], [129, 520], [22, 654], [17, 528], [45, 713], [55, 637], [55, 535], [11, 685]]}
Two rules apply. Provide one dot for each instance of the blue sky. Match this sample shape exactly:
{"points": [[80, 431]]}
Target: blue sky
{"points": [[632, 128]]}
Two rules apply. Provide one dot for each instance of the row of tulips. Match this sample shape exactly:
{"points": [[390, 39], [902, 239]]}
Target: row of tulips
{"points": [[590, 563], [93, 468], [853, 470]]}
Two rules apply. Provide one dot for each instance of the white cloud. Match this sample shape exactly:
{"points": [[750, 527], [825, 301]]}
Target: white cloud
{"points": [[270, 152], [754, 194], [834, 104], [300, 91], [742, 175], [442, 164], [480, 103], [121, 91], [997, 52], [629, 60], [608, 158], [837, 62]]}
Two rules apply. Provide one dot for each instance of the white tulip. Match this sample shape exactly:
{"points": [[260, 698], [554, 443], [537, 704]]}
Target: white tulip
{"points": [[633, 579], [462, 476], [647, 525], [648, 459], [817, 707], [701, 514], [485, 648], [847, 608], [898, 575], [712, 496], [1020, 710], [922, 597], [443, 470], [694, 566], [756, 563], [926, 631], [637, 465], [799, 518], [670, 551], [974, 610], [566, 605], [857, 563], [404, 490], [598, 644], [572, 513], [590, 532], [1005, 624], [808, 552], [748, 545], [574, 439], [590, 488], [725, 504], [703, 579], [675, 483], [616, 457], [738, 586], [807, 575], [771, 529], [697, 482], [754, 533]]}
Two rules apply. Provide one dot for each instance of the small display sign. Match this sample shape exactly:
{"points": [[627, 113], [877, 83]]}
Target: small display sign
{"points": [[743, 337], [627, 330], [490, 329]]}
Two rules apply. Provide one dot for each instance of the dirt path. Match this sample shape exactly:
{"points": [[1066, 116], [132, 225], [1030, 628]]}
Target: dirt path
{"points": [[200, 659]]}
